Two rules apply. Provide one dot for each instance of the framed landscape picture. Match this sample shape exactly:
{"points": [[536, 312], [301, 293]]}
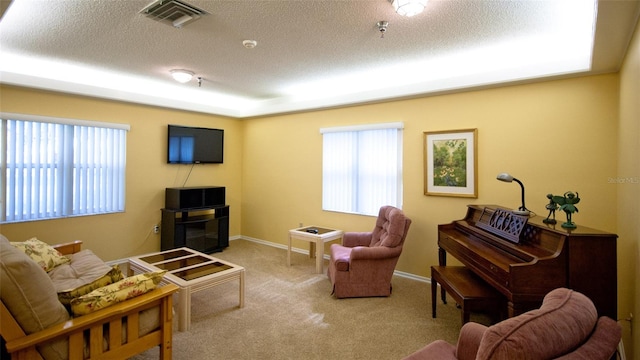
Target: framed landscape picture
{"points": [[450, 163]]}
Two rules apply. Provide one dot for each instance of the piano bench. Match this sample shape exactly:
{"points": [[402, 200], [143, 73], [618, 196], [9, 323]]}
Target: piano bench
{"points": [[469, 291]]}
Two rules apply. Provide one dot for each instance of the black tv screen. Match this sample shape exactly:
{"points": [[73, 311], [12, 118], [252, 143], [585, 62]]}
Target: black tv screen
{"points": [[194, 145]]}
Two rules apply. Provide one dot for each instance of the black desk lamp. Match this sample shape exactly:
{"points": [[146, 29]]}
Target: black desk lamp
{"points": [[522, 210]]}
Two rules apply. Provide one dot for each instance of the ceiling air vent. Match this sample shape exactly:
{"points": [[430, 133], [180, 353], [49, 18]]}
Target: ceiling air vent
{"points": [[173, 12]]}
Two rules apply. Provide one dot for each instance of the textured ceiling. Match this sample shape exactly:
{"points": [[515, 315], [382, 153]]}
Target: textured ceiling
{"points": [[303, 45]]}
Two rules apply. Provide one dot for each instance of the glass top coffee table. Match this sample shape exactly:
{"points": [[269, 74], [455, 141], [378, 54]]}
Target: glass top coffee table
{"points": [[316, 236], [191, 271]]}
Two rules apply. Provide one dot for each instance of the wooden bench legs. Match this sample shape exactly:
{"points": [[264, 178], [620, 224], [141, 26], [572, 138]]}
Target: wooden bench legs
{"points": [[469, 291]]}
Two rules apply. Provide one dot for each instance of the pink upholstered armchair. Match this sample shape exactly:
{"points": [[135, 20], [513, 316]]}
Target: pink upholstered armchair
{"points": [[363, 265], [565, 327]]}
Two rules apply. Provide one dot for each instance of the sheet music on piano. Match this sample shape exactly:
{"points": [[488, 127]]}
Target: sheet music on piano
{"points": [[503, 223]]}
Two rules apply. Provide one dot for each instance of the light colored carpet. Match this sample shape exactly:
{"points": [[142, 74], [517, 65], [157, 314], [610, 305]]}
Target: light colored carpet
{"points": [[290, 313]]}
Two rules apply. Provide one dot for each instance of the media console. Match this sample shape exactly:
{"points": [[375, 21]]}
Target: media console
{"points": [[195, 217]]}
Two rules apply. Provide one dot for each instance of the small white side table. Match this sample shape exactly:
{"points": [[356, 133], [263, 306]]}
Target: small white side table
{"points": [[316, 242]]}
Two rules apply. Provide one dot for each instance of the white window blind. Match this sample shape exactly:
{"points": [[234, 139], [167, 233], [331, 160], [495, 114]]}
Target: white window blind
{"points": [[362, 168], [55, 168]]}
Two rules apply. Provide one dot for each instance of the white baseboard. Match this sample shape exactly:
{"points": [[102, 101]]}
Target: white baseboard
{"points": [[326, 256]]}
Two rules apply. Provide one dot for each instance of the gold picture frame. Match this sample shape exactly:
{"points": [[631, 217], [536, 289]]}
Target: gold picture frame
{"points": [[451, 163]]}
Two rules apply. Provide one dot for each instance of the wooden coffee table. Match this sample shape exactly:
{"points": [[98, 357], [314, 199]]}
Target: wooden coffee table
{"points": [[191, 271], [316, 239]]}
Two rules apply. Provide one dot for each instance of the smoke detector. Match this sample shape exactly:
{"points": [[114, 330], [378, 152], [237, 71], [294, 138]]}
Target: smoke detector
{"points": [[173, 12]]}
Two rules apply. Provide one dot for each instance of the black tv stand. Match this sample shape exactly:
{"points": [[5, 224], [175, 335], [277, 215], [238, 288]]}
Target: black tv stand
{"points": [[195, 217]]}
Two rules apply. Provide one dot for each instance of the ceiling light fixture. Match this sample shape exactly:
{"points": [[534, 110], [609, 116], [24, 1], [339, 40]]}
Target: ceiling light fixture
{"points": [[408, 7], [249, 44], [182, 76]]}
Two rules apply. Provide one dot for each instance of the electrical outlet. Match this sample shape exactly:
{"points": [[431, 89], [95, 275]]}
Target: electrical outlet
{"points": [[300, 225], [156, 229]]}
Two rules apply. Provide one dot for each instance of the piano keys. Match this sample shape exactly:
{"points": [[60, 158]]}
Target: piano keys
{"points": [[544, 257]]}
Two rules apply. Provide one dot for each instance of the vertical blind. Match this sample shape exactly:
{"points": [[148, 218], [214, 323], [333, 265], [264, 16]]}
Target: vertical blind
{"points": [[56, 169], [362, 168]]}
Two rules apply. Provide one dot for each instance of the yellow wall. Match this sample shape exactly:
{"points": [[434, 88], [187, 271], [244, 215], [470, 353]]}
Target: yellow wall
{"points": [[554, 136], [629, 194], [116, 236]]}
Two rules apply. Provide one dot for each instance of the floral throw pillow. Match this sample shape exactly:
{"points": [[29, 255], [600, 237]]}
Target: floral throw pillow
{"points": [[122, 290], [113, 276], [42, 253]]}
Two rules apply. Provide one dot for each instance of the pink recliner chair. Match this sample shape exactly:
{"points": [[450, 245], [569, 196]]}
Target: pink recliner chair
{"points": [[565, 327], [363, 265]]}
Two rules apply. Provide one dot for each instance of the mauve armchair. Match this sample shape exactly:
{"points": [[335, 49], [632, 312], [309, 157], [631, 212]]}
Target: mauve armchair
{"points": [[565, 327], [363, 265]]}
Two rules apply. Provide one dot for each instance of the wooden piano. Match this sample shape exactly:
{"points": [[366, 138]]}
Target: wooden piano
{"points": [[542, 258]]}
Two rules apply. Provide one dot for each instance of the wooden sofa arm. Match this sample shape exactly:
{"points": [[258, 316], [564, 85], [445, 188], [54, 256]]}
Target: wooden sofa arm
{"points": [[69, 248], [113, 315]]}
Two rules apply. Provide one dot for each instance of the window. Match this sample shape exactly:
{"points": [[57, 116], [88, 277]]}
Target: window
{"points": [[362, 168], [52, 168]]}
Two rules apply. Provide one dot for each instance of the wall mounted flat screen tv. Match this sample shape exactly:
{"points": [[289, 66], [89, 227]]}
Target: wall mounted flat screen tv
{"points": [[194, 145]]}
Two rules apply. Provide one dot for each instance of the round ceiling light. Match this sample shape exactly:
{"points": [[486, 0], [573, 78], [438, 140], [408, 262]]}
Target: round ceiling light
{"points": [[182, 76], [408, 7], [249, 44]]}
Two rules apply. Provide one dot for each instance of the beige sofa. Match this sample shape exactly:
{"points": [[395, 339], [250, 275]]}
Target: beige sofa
{"points": [[36, 325]]}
